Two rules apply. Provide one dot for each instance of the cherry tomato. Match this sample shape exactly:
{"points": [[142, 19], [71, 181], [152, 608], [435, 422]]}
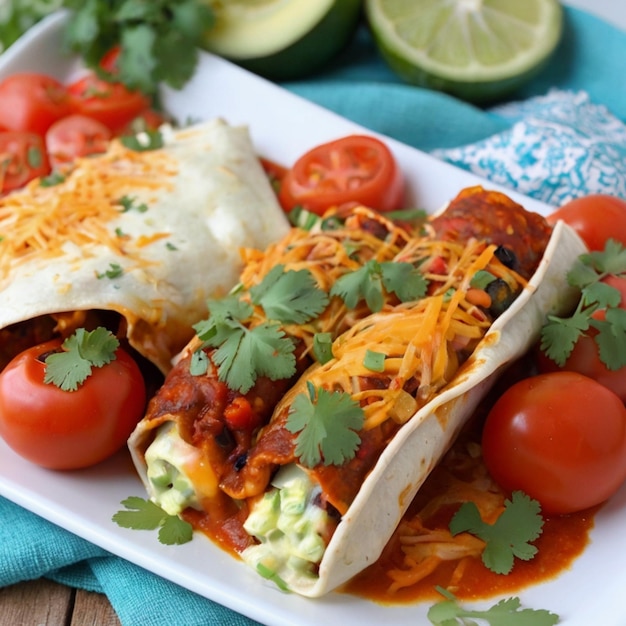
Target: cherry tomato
{"points": [[22, 158], [69, 430], [354, 168], [75, 136], [595, 218], [32, 102], [112, 104], [560, 438]]}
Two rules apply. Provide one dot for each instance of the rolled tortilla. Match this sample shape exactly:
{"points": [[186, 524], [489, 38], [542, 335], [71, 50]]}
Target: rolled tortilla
{"points": [[372, 494], [352, 525], [149, 235]]}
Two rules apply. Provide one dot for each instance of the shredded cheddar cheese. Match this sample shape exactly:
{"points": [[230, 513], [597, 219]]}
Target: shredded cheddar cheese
{"points": [[327, 255], [424, 341], [40, 222]]}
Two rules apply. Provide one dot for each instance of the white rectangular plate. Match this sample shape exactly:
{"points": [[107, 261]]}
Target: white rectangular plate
{"points": [[282, 126]]}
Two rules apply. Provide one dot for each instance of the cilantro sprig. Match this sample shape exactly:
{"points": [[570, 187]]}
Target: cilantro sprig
{"points": [[159, 39], [327, 425], [509, 536], [507, 612], [245, 351], [371, 280], [291, 297], [82, 351], [559, 335], [143, 514]]}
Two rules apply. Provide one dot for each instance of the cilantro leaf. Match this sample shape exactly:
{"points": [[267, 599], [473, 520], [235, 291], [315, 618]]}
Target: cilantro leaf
{"points": [[159, 40], [246, 354], [507, 612], [611, 338], [175, 531], [366, 283], [599, 308], [403, 279], [611, 260], [327, 426], [146, 515], [82, 351], [559, 336], [509, 536], [291, 297], [243, 354]]}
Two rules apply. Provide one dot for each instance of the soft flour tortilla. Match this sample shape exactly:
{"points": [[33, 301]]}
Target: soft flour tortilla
{"points": [[409, 458], [418, 446], [211, 198]]}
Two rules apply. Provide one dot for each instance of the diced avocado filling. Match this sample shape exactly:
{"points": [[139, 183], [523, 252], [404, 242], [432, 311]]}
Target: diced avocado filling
{"points": [[290, 528], [165, 458]]}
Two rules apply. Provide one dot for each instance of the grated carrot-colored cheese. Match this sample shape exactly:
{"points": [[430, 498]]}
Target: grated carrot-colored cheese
{"points": [[38, 221]]}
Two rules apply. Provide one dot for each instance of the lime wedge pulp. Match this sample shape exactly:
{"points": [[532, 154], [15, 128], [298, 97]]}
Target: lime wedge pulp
{"points": [[478, 50]]}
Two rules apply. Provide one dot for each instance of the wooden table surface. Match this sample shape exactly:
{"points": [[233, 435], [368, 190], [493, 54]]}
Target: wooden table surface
{"points": [[46, 603]]}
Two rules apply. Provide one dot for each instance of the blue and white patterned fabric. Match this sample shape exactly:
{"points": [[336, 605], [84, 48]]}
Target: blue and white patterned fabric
{"points": [[559, 146]]}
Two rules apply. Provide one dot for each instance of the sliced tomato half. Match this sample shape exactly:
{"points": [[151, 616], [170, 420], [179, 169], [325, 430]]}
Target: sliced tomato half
{"points": [[111, 103], [75, 136], [22, 158], [356, 168]]}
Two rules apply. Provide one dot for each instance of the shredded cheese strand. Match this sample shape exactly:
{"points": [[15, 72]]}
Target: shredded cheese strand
{"points": [[40, 222]]}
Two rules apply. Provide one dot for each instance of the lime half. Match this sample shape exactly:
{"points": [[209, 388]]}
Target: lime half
{"points": [[282, 39], [478, 50]]}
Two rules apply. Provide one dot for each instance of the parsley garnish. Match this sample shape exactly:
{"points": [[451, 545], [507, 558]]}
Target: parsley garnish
{"points": [[367, 282], [245, 351], [159, 40], [560, 334], [509, 536], [146, 515], [327, 426], [507, 612], [82, 351]]}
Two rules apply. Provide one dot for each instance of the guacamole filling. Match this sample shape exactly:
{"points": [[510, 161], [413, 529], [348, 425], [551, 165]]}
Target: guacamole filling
{"points": [[290, 527]]}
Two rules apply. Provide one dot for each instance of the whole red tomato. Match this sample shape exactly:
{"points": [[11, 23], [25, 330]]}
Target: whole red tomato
{"points": [[31, 102], [595, 218], [560, 438], [69, 430], [356, 168]]}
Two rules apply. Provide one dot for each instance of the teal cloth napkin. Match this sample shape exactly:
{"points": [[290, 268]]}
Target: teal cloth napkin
{"points": [[588, 66]]}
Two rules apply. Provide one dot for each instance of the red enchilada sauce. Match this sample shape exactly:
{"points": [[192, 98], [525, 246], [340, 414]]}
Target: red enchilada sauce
{"points": [[562, 540], [460, 476]]}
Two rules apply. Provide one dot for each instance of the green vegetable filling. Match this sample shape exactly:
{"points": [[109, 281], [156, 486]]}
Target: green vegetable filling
{"points": [[290, 528]]}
